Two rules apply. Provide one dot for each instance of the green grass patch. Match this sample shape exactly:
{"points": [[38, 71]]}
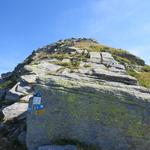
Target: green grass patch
{"points": [[132, 72], [6, 84], [146, 68], [142, 77], [59, 56], [121, 59], [71, 65]]}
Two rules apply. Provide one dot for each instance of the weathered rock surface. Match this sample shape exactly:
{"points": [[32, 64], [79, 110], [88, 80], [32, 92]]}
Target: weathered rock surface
{"points": [[90, 112], [22, 138], [44, 68], [107, 59], [23, 88], [57, 147], [111, 76], [10, 133], [31, 79], [19, 90], [2, 93], [66, 61], [95, 57], [87, 98], [95, 103], [26, 98], [15, 110], [13, 96], [72, 50]]}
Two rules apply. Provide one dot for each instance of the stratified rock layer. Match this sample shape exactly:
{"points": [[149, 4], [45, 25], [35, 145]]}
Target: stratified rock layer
{"points": [[88, 99], [108, 115]]}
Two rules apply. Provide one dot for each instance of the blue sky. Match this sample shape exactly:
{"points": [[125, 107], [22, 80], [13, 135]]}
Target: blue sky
{"points": [[26, 25]]}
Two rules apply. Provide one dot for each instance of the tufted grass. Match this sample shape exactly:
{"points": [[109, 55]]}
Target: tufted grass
{"points": [[146, 68], [71, 65], [142, 77], [121, 59]]}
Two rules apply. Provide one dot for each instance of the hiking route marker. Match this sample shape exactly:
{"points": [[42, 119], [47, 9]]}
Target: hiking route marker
{"points": [[37, 105]]}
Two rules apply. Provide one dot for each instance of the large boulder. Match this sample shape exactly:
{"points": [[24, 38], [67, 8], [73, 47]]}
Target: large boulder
{"points": [[24, 88], [95, 57], [31, 78], [114, 77], [109, 61], [15, 110], [107, 58], [47, 67], [108, 116], [21, 89], [71, 50]]}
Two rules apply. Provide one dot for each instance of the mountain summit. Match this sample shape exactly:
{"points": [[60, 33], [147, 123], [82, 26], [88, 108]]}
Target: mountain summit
{"points": [[79, 93]]}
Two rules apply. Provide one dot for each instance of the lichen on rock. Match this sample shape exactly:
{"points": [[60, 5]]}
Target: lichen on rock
{"points": [[91, 96]]}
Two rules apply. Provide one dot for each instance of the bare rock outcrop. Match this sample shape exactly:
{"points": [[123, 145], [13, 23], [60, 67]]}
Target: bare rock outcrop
{"points": [[91, 104], [77, 92]]}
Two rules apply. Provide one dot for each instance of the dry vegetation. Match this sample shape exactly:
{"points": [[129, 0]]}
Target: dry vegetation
{"points": [[144, 79]]}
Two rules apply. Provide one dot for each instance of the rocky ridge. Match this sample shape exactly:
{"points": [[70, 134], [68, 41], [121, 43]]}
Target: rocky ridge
{"points": [[84, 82]]}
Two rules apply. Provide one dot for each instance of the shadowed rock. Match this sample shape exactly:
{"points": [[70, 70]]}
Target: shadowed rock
{"points": [[57, 147], [98, 114]]}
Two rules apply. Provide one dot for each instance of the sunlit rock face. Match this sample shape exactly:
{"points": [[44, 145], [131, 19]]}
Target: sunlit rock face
{"points": [[108, 116], [80, 94], [95, 102]]}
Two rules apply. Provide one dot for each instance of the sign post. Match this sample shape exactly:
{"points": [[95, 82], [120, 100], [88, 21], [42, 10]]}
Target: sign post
{"points": [[37, 104]]}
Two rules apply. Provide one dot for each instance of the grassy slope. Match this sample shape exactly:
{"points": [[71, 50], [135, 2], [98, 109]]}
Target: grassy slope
{"points": [[143, 77]]}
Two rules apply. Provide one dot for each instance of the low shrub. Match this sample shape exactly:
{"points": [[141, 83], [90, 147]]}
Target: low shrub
{"points": [[146, 68], [6, 84]]}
